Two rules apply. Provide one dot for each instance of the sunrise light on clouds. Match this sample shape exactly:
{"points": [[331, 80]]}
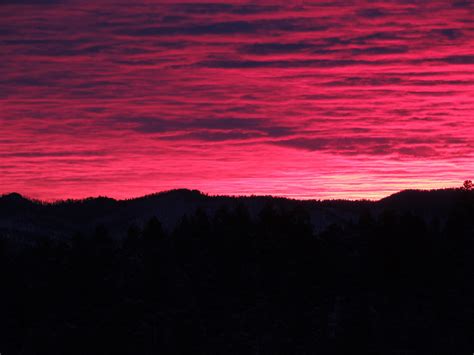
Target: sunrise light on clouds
{"points": [[308, 99]]}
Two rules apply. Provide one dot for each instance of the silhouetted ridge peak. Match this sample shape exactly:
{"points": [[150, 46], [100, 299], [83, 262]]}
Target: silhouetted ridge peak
{"points": [[414, 193], [422, 200], [175, 194], [15, 198], [14, 202], [182, 192]]}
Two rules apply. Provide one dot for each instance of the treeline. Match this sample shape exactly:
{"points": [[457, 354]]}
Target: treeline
{"points": [[232, 284]]}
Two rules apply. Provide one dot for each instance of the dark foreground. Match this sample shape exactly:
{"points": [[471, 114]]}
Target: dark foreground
{"points": [[391, 282]]}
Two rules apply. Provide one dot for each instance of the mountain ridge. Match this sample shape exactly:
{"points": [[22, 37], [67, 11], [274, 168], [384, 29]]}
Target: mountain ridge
{"points": [[31, 219], [18, 196]]}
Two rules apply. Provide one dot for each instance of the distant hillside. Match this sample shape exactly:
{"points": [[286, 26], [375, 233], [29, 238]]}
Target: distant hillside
{"points": [[27, 218]]}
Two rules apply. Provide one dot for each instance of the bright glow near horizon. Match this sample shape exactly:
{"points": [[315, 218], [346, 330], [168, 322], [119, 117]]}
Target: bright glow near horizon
{"points": [[313, 100]]}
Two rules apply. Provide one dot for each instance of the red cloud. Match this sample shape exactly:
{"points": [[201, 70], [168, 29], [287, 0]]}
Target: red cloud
{"points": [[303, 101]]}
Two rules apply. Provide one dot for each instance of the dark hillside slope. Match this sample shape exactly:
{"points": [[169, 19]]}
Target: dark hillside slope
{"points": [[26, 218]]}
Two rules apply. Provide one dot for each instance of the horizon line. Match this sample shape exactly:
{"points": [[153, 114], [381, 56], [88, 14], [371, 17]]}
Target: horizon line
{"points": [[56, 201]]}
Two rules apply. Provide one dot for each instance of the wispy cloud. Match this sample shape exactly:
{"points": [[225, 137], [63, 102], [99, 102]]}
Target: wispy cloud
{"points": [[320, 99]]}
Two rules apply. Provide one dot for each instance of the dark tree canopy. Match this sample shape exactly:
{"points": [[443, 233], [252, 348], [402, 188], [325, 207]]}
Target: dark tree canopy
{"points": [[232, 281], [468, 185]]}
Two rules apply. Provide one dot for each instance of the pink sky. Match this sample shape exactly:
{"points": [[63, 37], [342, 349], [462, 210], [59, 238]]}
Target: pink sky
{"points": [[299, 99]]}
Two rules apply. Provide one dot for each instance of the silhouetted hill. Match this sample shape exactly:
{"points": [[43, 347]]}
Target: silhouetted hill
{"points": [[432, 201], [181, 272], [62, 219]]}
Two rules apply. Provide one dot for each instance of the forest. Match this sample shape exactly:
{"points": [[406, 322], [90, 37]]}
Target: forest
{"points": [[239, 280]]}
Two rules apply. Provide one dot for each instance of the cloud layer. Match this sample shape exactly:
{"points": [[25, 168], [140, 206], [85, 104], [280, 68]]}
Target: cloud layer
{"points": [[313, 100]]}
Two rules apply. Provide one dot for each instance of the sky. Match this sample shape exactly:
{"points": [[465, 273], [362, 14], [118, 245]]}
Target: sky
{"points": [[303, 99]]}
